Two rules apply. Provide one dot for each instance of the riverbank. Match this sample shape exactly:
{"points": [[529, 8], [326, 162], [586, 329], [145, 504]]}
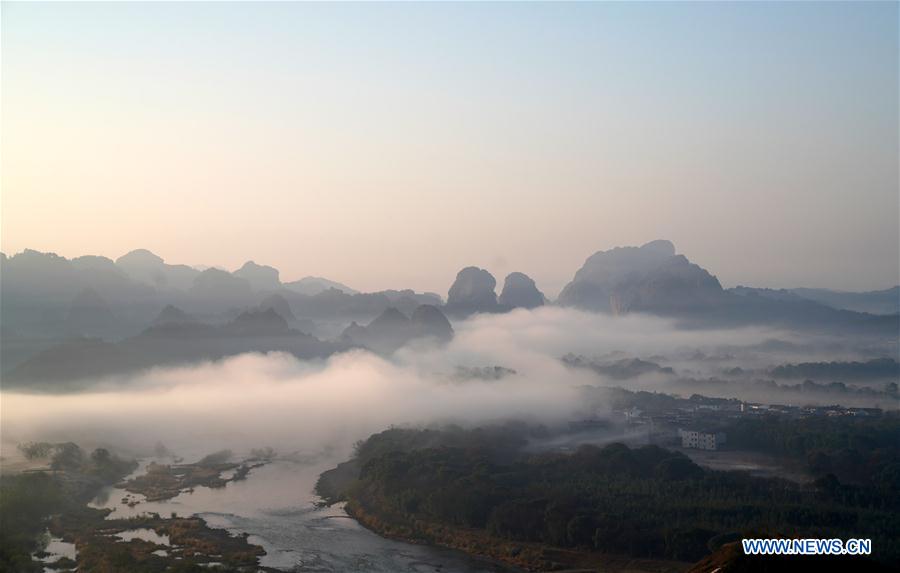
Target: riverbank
{"points": [[276, 506], [613, 508], [151, 543], [161, 481], [48, 522], [525, 556]]}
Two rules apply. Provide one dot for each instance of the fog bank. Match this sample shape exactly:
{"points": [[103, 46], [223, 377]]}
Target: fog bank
{"points": [[256, 400]]}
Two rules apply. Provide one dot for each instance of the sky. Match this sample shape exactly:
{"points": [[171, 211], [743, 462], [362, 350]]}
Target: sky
{"points": [[389, 145]]}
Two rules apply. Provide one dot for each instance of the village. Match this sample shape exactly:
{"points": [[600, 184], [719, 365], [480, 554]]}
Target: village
{"points": [[699, 426]]}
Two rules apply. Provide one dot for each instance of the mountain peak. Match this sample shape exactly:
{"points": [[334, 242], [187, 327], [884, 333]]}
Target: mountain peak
{"points": [[260, 277], [519, 290], [315, 285], [279, 304], [171, 314], [391, 317], [661, 246], [649, 277], [472, 291], [428, 320], [140, 257], [258, 322]]}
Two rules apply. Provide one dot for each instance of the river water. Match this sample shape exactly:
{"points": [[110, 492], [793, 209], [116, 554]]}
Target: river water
{"points": [[276, 506]]}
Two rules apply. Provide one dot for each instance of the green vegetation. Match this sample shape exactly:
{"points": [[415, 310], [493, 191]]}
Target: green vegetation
{"points": [[645, 502], [858, 450], [28, 499], [855, 449], [36, 450], [167, 481], [35, 501], [25, 501], [194, 547]]}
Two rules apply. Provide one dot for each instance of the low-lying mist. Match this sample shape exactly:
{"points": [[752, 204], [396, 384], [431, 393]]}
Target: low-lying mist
{"points": [[256, 400]]}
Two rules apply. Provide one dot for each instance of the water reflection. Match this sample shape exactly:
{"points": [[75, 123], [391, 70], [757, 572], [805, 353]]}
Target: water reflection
{"points": [[276, 506], [54, 550], [145, 534]]}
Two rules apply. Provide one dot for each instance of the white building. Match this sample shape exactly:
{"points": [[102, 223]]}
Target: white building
{"points": [[701, 440]]}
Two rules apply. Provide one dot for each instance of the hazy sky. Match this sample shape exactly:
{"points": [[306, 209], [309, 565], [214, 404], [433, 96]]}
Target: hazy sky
{"points": [[388, 145]]}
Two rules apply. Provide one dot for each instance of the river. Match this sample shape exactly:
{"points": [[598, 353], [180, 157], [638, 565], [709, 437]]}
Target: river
{"points": [[277, 507]]}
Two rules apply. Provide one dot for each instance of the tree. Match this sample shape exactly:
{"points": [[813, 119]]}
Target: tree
{"points": [[35, 450], [68, 456], [100, 456]]}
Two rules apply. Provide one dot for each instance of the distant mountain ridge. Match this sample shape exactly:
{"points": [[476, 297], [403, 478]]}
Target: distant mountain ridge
{"points": [[654, 279], [392, 329], [885, 301], [48, 298], [167, 342], [315, 285], [143, 266]]}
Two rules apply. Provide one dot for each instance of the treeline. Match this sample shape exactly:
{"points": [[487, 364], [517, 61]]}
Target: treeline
{"points": [[855, 450], [499, 442], [28, 499], [861, 449], [875, 369], [643, 502]]}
